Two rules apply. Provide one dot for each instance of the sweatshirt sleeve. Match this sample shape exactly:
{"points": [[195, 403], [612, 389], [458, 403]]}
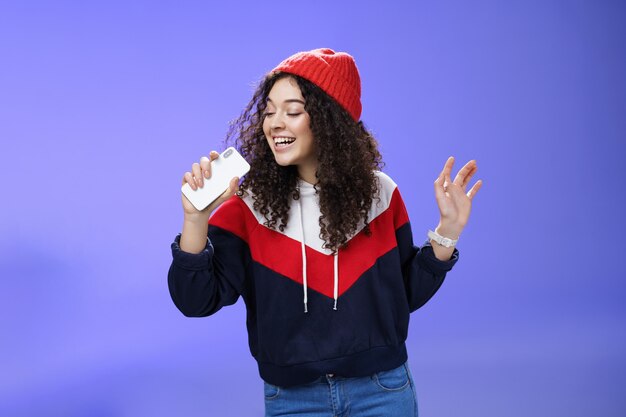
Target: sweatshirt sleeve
{"points": [[422, 271], [201, 284]]}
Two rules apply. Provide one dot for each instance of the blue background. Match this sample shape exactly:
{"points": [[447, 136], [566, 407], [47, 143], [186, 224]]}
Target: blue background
{"points": [[104, 106]]}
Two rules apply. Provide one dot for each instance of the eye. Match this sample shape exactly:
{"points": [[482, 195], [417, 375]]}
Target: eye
{"points": [[294, 114], [267, 113]]}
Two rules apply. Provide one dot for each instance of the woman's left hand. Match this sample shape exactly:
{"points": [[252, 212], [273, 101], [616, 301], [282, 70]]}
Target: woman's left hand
{"points": [[454, 203]]}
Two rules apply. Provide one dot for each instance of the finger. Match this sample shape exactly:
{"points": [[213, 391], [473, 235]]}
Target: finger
{"points": [[232, 185], [439, 188], [474, 190], [447, 169], [469, 176], [195, 169], [462, 183], [235, 184], [188, 178], [232, 189], [206, 167], [461, 177]]}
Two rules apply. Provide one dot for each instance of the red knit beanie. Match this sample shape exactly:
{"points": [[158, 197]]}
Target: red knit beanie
{"points": [[334, 72]]}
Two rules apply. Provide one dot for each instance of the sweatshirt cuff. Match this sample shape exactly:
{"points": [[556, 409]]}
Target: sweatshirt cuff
{"points": [[191, 261], [434, 264]]}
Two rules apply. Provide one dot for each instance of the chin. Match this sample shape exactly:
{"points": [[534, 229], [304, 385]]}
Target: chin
{"points": [[282, 164], [285, 162]]}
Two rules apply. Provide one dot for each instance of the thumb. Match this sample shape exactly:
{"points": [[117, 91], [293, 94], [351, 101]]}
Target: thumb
{"points": [[234, 184], [232, 188]]}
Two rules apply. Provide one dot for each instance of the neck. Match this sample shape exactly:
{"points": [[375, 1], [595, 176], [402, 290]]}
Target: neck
{"points": [[308, 174]]}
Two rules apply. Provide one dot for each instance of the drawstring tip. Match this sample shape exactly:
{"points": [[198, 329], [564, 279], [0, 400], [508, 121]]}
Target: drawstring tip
{"points": [[305, 309], [335, 307]]}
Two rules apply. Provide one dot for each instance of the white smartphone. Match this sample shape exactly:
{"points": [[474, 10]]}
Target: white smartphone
{"points": [[229, 164]]}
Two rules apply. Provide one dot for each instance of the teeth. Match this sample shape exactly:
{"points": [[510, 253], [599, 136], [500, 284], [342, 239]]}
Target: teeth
{"points": [[283, 140]]}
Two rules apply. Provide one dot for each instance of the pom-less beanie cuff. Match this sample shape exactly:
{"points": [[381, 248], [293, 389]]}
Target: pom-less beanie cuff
{"points": [[334, 72]]}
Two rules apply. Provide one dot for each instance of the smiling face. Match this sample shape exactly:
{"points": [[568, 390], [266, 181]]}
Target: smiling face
{"points": [[287, 129]]}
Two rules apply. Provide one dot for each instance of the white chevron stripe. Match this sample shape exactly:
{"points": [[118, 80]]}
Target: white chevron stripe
{"points": [[311, 212]]}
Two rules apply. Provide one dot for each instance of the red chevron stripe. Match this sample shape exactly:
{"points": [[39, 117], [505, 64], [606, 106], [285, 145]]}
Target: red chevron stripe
{"points": [[235, 216], [283, 254]]}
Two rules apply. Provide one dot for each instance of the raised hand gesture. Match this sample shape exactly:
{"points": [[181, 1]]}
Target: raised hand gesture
{"points": [[454, 202]]}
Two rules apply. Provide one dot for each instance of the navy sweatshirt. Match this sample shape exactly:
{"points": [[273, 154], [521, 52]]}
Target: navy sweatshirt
{"points": [[310, 312]]}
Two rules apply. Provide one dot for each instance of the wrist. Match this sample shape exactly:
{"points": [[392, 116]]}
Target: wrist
{"points": [[437, 239], [196, 219], [449, 231], [194, 235]]}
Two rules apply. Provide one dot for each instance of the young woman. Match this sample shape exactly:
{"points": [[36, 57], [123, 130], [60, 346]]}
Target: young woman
{"points": [[317, 242]]}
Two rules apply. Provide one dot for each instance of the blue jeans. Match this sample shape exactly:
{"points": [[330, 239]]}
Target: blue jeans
{"points": [[386, 393]]}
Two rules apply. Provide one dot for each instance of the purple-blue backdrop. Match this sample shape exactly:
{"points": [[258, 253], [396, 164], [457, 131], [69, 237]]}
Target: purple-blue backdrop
{"points": [[104, 106]]}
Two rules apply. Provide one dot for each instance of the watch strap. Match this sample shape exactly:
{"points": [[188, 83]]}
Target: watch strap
{"points": [[443, 241]]}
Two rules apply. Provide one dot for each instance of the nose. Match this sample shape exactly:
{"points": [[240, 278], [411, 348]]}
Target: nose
{"points": [[277, 121]]}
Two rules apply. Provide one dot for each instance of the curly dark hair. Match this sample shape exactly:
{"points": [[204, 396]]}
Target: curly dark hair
{"points": [[347, 155]]}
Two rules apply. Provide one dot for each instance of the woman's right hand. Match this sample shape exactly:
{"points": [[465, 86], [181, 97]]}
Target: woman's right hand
{"points": [[199, 173]]}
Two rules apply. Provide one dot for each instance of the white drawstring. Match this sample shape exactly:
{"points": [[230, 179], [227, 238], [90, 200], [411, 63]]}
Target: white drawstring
{"points": [[336, 277], [336, 263], [303, 254]]}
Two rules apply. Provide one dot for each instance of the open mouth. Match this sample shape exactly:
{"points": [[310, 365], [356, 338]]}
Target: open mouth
{"points": [[282, 142]]}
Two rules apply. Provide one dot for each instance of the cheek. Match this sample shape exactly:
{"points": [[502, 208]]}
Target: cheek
{"points": [[302, 126], [266, 126], [266, 133]]}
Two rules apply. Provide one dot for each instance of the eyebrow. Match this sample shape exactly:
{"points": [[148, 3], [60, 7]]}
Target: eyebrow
{"points": [[291, 100]]}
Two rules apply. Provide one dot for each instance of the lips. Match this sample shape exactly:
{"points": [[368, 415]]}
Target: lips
{"points": [[283, 142]]}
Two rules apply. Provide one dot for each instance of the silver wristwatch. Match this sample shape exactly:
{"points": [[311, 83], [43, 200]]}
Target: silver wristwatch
{"points": [[443, 241]]}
